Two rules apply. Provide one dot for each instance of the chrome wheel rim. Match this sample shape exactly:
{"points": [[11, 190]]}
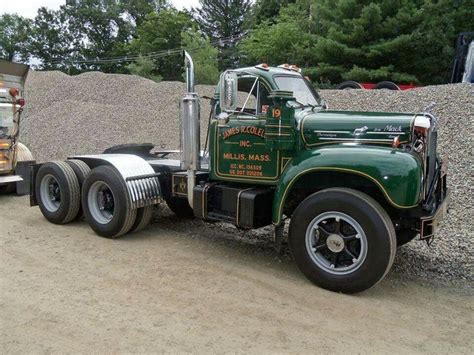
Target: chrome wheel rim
{"points": [[336, 243], [101, 202], [50, 193]]}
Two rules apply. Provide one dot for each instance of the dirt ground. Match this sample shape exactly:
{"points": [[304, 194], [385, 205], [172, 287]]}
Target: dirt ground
{"points": [[176, 287]]}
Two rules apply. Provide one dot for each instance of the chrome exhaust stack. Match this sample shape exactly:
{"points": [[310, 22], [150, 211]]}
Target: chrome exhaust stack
{"points": [[190, 128]]}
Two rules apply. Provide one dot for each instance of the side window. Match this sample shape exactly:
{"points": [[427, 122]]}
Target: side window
{"points": [[247, 94], [252, 96]]}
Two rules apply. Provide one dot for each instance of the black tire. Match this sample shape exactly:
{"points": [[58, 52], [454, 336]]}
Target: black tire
{"points": [[378, 239], [350, 84], [387, 85], [122, 214], [62, 179], [143, 219], [405, 236], [180, 207], [81, 170]]}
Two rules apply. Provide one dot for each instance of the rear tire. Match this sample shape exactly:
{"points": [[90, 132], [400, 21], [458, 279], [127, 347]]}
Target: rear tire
{"points": [[106, 203], [57, 192], [387, 85], [81, 170], [180, 207], [350, 84], [342, 240], [143, 219]]}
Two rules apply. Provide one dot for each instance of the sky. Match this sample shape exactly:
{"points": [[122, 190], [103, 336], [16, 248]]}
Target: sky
{"points": [[28, 8]]}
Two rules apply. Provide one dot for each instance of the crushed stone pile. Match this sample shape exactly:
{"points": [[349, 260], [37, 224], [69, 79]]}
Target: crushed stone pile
{"points": [[87, 113]]}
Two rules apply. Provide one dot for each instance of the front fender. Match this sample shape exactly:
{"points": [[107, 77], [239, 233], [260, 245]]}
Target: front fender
{"points": [[398, 174]]}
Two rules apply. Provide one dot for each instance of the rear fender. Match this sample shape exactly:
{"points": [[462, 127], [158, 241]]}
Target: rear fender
{"points": [[397, 174], [141, 180]]}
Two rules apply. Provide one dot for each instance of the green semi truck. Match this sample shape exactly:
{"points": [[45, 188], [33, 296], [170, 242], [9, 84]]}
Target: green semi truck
{"points": [[353, 185]]}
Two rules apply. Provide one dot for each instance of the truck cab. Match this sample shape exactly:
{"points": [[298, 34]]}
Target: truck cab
{"points": [[353, 185]]}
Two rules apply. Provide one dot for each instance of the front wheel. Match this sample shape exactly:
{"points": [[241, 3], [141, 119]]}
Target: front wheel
{"points": [[342, 240]]}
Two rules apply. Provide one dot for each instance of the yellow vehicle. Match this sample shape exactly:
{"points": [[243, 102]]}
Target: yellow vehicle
{"points": [[15, 157]]}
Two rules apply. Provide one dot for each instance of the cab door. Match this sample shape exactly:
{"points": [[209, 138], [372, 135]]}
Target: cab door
{"points": [[239, 152]]}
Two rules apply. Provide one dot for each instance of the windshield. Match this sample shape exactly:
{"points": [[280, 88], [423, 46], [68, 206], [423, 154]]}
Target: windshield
{"points": [[302, 91], [6, 120]]}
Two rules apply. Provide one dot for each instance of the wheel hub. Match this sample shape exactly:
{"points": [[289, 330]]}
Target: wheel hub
{"points": [[335, 243]]}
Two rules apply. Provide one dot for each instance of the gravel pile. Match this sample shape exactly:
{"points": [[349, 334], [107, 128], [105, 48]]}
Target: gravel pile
{"points": [[87, 113]]}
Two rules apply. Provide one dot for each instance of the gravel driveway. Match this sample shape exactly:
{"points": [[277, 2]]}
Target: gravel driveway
{"points": [[175, 289]]}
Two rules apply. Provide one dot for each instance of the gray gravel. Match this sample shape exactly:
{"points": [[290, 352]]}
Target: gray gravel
{"points": [[87, 113]]}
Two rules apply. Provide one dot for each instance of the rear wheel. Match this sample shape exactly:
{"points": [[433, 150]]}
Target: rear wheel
{"points": [[57, 192], [342, 240], [81, 170], [350, 84], [106, 203], [143, 218], [387, 85]]}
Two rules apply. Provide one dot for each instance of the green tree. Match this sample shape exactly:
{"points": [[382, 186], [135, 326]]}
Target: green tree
{"points": [[205, 56], [144, 67], [268, 10], [286, 41], [14, 37], [220, 19], [364, 40], [136, 10], [101, 28], [51, 42], [160, 32]]}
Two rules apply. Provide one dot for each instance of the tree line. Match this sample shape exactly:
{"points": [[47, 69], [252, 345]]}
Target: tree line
{"points": [[406, 41]]}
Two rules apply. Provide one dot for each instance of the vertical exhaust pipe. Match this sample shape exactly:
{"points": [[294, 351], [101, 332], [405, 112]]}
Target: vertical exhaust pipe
{"points": [[190, 128]]}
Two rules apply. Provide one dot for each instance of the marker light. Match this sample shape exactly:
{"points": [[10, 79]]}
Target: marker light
{"points": [[13, 92], [263, 66], [21, 102]]}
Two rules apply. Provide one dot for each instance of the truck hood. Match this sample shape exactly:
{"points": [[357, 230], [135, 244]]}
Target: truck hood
{"points": [[329, 127]]}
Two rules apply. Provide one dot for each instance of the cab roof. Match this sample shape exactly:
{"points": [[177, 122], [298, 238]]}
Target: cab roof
{"points": [[268, 73]]}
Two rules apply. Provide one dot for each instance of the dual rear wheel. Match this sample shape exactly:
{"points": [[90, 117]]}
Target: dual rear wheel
{"points": [[65, 190]]}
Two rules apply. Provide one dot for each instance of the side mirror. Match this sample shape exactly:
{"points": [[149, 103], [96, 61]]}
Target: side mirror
{"points": [[228, 91], [324, 105]]}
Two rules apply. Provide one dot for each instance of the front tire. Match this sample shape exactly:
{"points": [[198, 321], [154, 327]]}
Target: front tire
{"points": [[342, 240], [106, 204]]}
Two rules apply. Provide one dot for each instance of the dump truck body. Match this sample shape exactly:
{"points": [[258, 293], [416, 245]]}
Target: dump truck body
{"points": [[15, 158]]}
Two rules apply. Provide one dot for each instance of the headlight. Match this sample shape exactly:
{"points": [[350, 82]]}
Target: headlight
{"points": [[421, 125]]}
